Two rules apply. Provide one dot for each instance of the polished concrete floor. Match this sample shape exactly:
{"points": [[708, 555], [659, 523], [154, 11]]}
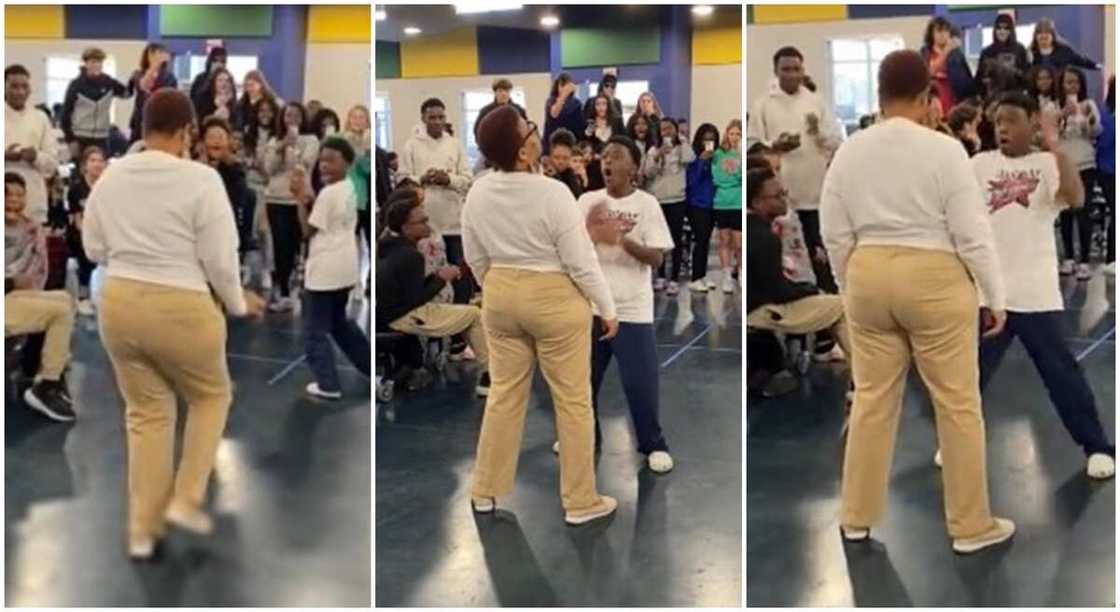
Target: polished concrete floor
{"points": [[1062, 555], [290, 494], [675, 540]]}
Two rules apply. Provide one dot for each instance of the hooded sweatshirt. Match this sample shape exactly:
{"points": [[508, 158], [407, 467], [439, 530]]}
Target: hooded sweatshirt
{"points": [[29, 127], [87, 106], [803, 168], [161, 219], [1011, 53], [444, 204], [666, 174], [402, 285]]}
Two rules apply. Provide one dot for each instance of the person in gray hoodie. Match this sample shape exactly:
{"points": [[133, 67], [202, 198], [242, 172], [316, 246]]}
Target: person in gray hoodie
{"points": [[665, 168]]}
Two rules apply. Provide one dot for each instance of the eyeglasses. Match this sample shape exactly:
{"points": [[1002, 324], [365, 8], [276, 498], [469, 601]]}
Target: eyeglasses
{"points": [[532, 130]]}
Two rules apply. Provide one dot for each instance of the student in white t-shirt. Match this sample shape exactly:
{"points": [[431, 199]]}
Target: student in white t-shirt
{"points": [[1025, 191], [331, 271], [628, 267]]}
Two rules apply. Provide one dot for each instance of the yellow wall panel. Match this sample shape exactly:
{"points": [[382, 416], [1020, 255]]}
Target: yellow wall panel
{"points": [[717, 45], [34, 22], [452, 54], [799, 13], [338, 24]]}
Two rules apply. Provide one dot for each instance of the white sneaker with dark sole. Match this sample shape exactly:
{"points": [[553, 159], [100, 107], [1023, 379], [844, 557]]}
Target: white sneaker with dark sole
{"points": [[314, 391], [194, 521], [142, 550], [855, 534], [1000, 532], [610, 505]]}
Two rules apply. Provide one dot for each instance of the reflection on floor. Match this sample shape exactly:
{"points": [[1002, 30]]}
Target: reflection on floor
{"points": [[1062, 555], [291, 492], [675, 540]]}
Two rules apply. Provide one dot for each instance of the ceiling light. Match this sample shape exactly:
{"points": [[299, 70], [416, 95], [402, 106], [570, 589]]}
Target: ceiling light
{"points": [[380, 15], [702, 10], [412, 30], [464, 8], [550, 21]]}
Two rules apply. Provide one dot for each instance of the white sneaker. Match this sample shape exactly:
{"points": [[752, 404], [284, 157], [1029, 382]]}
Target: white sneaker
{"points": [[1084, 272], [1109, 268], [195, 521], [314, 391], [1000, 532], [711, 284], [698, 286], [673, 288], [1066, 268], [855, 534], [658, 284], [660, 462], [483, 505], [1101, 466], [282, 304], [266, 281], [85, 308], [610, 505], [142, 549], [728, 283], [937, 458], [556, 447]]}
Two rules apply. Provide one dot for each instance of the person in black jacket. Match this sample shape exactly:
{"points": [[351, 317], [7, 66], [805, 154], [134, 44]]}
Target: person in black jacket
{"points": [[774, 302], [1005, 48], [607, 86], [200, 87], [562, 145], [1048, 49], [405, 293], [217, 152], [85, 119], [502, 88]]}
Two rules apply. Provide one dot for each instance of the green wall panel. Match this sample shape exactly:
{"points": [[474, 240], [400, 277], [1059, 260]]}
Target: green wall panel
{"points": [[610, 46], [388, 56], [215, 21]]}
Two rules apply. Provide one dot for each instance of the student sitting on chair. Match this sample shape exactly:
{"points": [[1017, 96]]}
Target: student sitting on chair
{"points": [[406, 296], [28, 309]]}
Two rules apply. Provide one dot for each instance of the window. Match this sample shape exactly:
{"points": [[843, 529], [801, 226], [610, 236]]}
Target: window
{"points": [[382, 123], [981, 36], [855, 67], [628, 92], [473, 101], [238, 66], [64, 68]]}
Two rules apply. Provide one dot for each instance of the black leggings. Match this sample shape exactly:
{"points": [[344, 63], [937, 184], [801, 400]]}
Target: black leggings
{"points": [[701, 221], [1084, 224], [674, 216], [287, 237], [1108, 185]]}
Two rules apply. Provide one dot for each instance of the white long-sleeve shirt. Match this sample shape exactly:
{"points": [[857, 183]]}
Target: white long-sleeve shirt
{"points": [[444, 204], [528, 221], [160, 219], [803, 168], [31, 128], [898, 183]]}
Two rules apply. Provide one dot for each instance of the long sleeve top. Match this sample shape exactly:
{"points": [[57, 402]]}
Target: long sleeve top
{"points": [[30, 127], [444, 204], [279, 161], [665, 174]]}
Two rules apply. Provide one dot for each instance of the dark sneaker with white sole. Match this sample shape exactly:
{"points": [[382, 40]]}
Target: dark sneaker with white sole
{"points": [[50, 398], [483, 388]]}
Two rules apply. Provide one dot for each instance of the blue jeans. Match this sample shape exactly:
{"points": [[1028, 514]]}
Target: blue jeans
{"points": [[636, 348], [324, 315], [1041, 333]]}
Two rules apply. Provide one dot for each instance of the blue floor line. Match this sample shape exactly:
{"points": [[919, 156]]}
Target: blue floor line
{"points": [[1092, 347], [684, 348], [287, 370]]}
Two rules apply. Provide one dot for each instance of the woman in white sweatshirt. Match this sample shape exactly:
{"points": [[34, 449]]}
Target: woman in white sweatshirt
{"points": [[291, 144], [162, 228], [529, 244]]}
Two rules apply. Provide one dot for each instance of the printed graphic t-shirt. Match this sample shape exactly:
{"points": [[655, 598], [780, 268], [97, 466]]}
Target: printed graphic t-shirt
{"points": [[1020, 194], [631, 281]]}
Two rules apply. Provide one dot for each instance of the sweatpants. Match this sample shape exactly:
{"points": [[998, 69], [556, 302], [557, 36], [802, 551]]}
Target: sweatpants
{"points": [[635, 346], [701, 220], [674, 217], [325, 318]]}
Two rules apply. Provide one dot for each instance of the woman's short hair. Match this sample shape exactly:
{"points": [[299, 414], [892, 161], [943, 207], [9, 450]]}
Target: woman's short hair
{"points": [[399, 208], [903, 75], [498, 137], [167, 111]]}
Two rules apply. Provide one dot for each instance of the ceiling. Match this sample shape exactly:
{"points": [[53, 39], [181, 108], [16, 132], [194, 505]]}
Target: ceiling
{"points": [[438, 19]]}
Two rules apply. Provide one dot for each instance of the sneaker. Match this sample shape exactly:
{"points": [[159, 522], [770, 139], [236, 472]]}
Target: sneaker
{"points": [[610, 504], [1066, 268], [85, 308], [660, 462], [1084, 272], [314, 390], [48, 398], [855, 534], [483, 505], [698, 286], [1101, 466], [937, 458], [673, 288], [658, 284], [556, 447], [282, 304], [728, 284], [1110, 268], [192, 519], [711, 284], [483, 387], [142, 549], [1001, 531]]}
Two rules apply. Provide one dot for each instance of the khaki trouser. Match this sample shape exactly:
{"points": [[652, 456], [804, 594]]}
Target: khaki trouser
{"points": [[901, 301], [33, 312], [439, 320], [165, 341], [809, 314], [531, 316]]}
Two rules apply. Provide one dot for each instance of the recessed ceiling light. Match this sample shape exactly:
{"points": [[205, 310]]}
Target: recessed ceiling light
{"points": [[412, 30], [550, 21], [380, 15], [702, 10], [464, 8]]}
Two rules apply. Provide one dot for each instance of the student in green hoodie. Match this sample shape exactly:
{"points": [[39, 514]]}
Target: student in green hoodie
{"points": [[727, 174]]}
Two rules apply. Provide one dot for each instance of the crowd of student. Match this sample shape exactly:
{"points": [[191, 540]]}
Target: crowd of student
{"points": [[909, 254], [628, 189], [293, 177]]}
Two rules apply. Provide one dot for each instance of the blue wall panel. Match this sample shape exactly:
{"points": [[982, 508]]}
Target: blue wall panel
{"points": [[107, 21], [880, 11], [512, 51]]}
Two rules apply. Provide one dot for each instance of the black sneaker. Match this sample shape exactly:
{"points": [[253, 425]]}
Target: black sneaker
{"points": [[483, 388], [47, 397]]}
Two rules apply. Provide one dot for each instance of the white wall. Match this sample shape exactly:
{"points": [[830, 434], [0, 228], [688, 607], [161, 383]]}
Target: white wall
{"points": [[717, 95], [406, 96], [33, 55], [339, 75], [812, 40]]}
